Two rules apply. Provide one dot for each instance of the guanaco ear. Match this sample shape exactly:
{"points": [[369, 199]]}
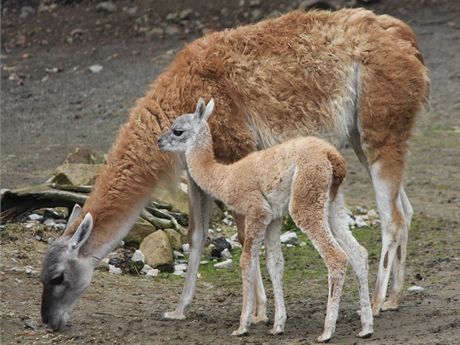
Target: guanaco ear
{"points": [[208, 111], [81, 235], [74, 215], [200, 108]]}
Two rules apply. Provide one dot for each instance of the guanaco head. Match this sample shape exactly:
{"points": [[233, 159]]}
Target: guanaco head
{"points": [[65, 274], [186, 128]]}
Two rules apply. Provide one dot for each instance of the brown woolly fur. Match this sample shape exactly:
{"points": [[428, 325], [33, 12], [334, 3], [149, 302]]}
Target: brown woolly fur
{"points": [[348, 75]]}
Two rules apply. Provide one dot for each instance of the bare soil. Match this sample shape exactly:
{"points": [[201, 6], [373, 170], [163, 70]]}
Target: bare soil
{"points": [[47, 114]]}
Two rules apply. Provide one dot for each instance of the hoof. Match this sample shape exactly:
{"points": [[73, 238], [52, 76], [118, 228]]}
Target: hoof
{"points": [[366, 333], [390, 305], [173, 315], [276, 330], [258, 319], [324, 338], [375, 310], [240, 332]]}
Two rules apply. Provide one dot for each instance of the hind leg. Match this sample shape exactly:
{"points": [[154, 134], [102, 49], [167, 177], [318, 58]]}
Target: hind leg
{"points": [[358, 260], [386, 178], [399, 263], [260, 304], [308, 208]]}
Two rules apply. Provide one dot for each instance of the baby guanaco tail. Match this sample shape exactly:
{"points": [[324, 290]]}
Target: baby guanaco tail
{"points": [[339, 171]]}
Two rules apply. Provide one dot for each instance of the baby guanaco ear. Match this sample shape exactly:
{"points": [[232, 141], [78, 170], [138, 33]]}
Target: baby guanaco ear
{"points": [[209, 109], [200, 108]]}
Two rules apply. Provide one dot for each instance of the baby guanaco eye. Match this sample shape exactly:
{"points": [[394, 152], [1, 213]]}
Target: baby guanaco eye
{"points": [[57, 280], [177, 132]]}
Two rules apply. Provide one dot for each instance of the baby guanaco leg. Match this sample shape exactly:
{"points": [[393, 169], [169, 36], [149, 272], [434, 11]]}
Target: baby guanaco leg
{"points": [[275, 267], [308, 210], [358, 259], [256, 222]]}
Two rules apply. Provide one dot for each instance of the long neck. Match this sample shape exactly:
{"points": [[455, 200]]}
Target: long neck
{"points": [[203, 167], [134, 167]]}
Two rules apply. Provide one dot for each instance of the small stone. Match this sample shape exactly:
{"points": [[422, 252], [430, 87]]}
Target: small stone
{"points": [[172, 30], [289, 237], [303, 244], [256, 13], [186, 248], [30, 323], [227, 264], [178, 255], [415, 288], [372, 214], [26, 11], [106, 6], [152, 273], [114, 270], [255, 3], [146, 268], [35, 216], [29, 270], [138, 256], [16, 269], [360, 222], [361, 210], [104, 264], [95, 68], [155, 32], [130, 11], [185, 14], [225, 254], [180, 267], [204, 262]]}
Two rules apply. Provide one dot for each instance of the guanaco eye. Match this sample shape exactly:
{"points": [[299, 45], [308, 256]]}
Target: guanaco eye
{"points": [[57, 280], [177, 133]]}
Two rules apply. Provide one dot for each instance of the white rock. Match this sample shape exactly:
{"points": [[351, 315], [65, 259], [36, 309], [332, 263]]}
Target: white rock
{"points": [[415, 288], [302, 244], [228, 221], [204, 262], [289, 237], [186, 248], [16, 269], [360, 222], [95, 68], [372, 214], [146, 268], [225, 254], [104, 263], [224, 264], [178, 273], [138, 256], [289, 245], [35, 216], [106, 6], [114, 270], [178, 255], [180, 267], [153, 272]]}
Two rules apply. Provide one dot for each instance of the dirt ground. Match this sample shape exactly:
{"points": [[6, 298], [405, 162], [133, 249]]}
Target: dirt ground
{"points": [[51, 103]]}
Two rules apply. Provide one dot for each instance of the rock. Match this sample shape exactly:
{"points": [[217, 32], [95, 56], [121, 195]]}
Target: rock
{"points": [[84, 156], [157, 250], [174, 239], [106, 7], [53, 224], [186, 248], [114, 270], [220, 244], [178, 255], [130, 11], [225, 254], [155, 32], [146, 268], [416, 288], [35, 216], [95, 68], [256, 13], [26, 11], [227, 264], [289, 237], [255, 3], [360, 222], [76, 174], [152, 273], [317, 4], [185, 14], [30, 270], [361, 210], [104, 264], [372, 214], [177, 198], [180, 267], [138, 256], [140, 230], [172, 29], [30, 323]]}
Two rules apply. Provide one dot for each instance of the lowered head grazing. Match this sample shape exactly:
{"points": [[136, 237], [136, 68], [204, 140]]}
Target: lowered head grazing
{"points": [[186, 128], [65, 275]]}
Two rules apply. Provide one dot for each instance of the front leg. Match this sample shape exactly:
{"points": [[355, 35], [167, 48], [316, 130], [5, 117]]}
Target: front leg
{"points": [[199, 214]]}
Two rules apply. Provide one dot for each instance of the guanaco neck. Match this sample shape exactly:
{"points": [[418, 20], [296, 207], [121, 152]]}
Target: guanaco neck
{"points": [[203, 167]]}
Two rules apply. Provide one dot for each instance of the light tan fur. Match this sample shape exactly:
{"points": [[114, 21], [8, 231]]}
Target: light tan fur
{"points": [[348, 75], [304, 175]]}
